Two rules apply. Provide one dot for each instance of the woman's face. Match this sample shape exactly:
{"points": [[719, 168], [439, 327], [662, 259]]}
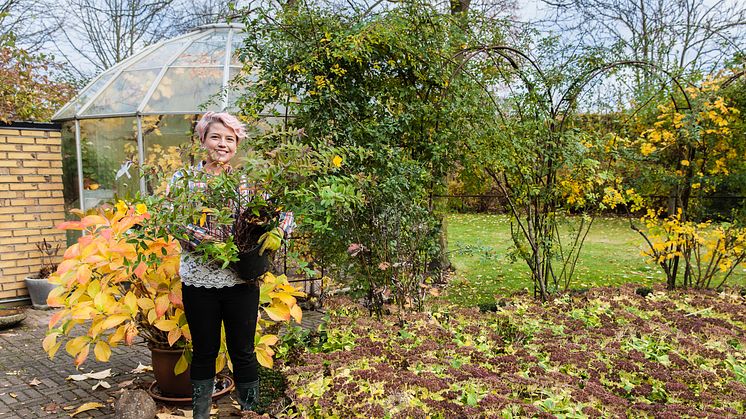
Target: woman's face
{"points": [[220, 143]]}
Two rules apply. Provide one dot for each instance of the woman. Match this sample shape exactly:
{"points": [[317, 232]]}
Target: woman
{"points": [[212, 295]]}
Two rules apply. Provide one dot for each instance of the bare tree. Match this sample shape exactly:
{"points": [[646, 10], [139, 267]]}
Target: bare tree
{"points": [[102, 33], [185, 15], [682, 36], [22, 20]]}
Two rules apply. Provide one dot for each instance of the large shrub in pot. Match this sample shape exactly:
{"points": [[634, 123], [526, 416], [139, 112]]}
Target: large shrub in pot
{"points": [[120, 280]]}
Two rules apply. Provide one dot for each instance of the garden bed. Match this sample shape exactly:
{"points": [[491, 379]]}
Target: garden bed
{"points": [[607, 352]]}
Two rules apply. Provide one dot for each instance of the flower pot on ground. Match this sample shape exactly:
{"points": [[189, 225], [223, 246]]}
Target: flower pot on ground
{"points": [[38, 290], [164, 362], [39, 286]]}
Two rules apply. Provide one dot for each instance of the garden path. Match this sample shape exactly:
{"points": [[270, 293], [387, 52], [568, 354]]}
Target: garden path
{"points": [[33, 386]]}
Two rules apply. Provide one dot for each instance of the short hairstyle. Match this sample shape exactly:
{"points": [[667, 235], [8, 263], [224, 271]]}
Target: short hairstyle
{"points": [[224, 118]]}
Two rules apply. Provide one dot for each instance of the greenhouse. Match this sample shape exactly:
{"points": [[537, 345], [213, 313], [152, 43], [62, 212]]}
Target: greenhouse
{"points": [[142, 109]]}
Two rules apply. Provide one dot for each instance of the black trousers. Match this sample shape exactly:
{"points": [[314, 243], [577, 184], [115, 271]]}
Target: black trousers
{"points": [[237, 308]]}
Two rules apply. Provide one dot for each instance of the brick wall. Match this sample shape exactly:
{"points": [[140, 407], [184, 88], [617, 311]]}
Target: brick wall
{"points": [[31, 202]]}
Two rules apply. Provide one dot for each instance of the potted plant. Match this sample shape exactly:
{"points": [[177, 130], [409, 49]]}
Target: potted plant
{"points": [[276, 173], [120, 281], [39, 286]]}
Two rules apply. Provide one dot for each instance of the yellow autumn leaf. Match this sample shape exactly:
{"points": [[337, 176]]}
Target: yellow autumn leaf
{"points": [[284, 297], [220, 362], [117, 336], [145, 303], [647, 149], [82, 355], [113, 321], [263, 357], [49, 341], [86, 407], [181, 365], [130, 300], [75, 345], [268, 340], [161, 305], [173, 336], [278, 313], [166, 325], [102, 351], [296, 313]]}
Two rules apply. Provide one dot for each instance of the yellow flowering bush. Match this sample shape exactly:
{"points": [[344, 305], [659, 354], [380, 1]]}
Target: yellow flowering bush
{"points": [[698, 139], [708, 253]]}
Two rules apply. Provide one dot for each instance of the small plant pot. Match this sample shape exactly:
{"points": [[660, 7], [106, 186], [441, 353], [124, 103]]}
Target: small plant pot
{"points": [[38, 290], [251, 265]]}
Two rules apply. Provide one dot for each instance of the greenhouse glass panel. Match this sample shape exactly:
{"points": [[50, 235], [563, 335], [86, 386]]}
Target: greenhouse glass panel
{"points": [[70, 190], [72, 108], [161, 55], [184, 89], [106, 146], [209, 51], [124, 94], [166, 140], [238, 39], [236, 90]]}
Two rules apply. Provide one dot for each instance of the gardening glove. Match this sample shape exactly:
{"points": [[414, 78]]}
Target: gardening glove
{"points": [[271, 240]]}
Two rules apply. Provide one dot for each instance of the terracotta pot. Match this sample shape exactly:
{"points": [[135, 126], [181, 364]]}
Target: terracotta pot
{"points": [[164, 361]]}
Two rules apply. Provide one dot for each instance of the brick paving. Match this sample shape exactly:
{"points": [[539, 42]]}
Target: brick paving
{"points": [[33, 386]]}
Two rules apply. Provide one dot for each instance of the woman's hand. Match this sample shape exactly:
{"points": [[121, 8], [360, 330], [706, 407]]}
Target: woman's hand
{"points": [[271, 240]]}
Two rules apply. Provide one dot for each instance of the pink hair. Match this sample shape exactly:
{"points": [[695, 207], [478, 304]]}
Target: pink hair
{"points": [[224, 118]]}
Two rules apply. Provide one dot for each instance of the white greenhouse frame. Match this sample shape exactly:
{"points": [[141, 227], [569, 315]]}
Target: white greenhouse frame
{"points": [[111, 75]]}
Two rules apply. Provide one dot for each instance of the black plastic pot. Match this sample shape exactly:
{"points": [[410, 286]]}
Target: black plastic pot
{"points": [[251, 265]]}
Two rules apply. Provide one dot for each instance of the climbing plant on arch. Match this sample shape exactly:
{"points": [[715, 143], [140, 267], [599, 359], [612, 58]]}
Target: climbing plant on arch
{"points": [[542, 161]]}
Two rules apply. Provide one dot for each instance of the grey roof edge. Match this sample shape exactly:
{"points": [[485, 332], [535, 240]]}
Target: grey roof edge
{"points": [[221, 26]]}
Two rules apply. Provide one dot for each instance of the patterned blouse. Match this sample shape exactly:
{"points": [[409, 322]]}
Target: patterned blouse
{"points": [[192, 271]]}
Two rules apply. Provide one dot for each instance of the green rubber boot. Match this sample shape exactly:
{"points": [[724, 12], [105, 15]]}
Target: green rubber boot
{"points": [[248, 395], [202, 398]]}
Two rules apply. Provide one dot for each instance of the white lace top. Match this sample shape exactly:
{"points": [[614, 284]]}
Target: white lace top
{"points": [[197, 274]]}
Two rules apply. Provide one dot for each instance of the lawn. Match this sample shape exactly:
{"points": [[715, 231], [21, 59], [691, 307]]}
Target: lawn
{"points": [[478, 246]]}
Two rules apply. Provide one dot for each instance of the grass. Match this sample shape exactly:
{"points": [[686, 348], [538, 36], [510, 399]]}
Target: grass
{"points": [[479, 245]]}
